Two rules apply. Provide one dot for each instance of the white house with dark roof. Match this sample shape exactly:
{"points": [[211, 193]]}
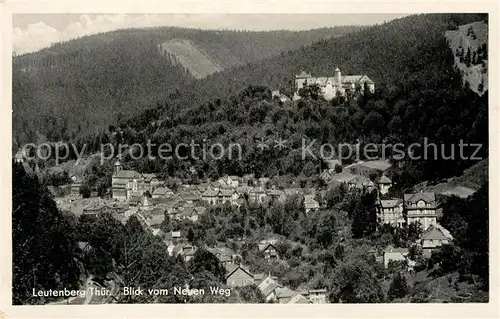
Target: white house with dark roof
{"points": [[391, 212], [336, 85], [435, 236], [420, 207]]}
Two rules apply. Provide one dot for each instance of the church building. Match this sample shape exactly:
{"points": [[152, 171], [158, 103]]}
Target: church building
{"points": [[125, 183]]}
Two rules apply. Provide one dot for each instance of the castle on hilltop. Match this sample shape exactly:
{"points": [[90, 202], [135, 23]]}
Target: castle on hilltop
{"points": [[336, 85]]}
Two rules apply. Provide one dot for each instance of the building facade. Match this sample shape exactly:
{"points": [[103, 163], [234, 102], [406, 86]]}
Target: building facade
{"points": [[391, 212], [336, 85], [420, 207]]}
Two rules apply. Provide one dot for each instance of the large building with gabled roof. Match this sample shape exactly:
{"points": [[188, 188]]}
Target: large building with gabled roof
{"points": [[420, 207], [336, 85]]}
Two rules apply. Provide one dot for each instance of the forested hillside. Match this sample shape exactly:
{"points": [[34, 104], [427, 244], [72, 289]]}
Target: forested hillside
{"points": [[419, 94], [77, 87]]}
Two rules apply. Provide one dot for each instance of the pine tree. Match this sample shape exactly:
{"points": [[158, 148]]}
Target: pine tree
{"points": [[398, 288]]}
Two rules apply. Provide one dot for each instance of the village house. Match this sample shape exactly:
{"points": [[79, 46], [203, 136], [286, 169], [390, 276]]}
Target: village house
{"points": [[226, 195], [162, 192], [267, 287], [149, 182], [284, 294], [238, 276], [361, 182], [257, 195], [420, 207], [384, 184], [94, 209], [269, 251], [201, 187], [336, 85], [243, 190], [390, 211], [215, 185], [394, 254], [247, 180], [189, 197], [276, 195], [223, 253], [185, 250], [310, 204], [210, 196], [317, 296], [299, 299], [435, 236], [281, 97], [230, 181]]}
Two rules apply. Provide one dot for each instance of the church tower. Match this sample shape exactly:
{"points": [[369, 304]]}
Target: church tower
{"points": [[118, 167], [337, 77]]}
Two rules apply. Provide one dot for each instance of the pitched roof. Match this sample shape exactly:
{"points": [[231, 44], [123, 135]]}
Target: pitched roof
{"points": [[360, 180], [209, 193], [303, 74], [226, 192], [243, 189], [127, 174], [391, 249], [265, 245], [284, 292], [148, 177], [436, 232], [355, 78], [257, 190], [230, 269], [267, 286], [310, 203], [416, 197], [390, 203], [384, 180], [298, 298], [162, 191], [188, 196]]}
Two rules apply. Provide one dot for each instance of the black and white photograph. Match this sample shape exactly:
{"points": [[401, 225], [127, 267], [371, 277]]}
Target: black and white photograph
{"points": [[232, 158]]}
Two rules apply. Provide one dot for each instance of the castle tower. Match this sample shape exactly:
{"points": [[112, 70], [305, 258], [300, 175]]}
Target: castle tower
{"points": [[118, 167], [337, 77]]}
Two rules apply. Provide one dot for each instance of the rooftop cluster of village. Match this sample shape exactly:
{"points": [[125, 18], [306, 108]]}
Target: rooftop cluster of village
{"points": [[148, 198]]}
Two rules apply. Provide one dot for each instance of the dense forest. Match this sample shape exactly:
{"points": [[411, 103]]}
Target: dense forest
{"points": [[78, 87], [425, 99]]}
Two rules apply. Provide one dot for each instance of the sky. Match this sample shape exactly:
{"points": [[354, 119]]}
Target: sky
{"points": [[33, 32]]}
